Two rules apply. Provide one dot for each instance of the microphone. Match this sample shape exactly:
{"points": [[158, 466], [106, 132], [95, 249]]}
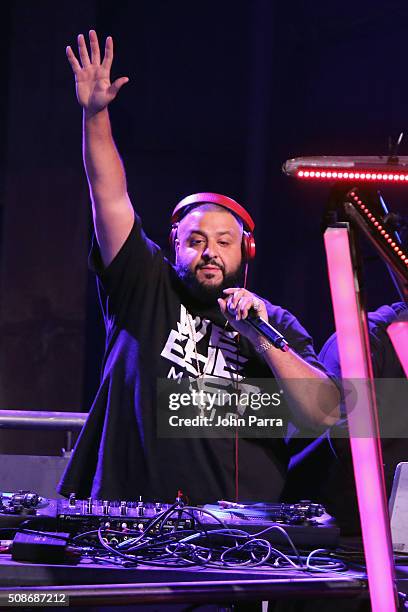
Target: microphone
{"points": [[265, 329]]}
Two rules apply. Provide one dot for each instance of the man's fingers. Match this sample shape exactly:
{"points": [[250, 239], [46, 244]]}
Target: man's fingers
{"points": [[245, 306], [235, 294], [237, 308], [222, 305], [83, 51], [233, 305], [94, 43], [108, 57], [236, 315], [240, 302], [116, 85], [232, 300], [236, 297], [75, 65]]}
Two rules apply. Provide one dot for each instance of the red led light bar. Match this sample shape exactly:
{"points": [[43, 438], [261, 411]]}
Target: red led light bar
{"points": [[383, 236], [313, 173], [349, 168]]}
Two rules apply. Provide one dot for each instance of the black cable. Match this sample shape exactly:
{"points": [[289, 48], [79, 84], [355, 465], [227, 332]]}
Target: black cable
{"points": [[202, 545]]}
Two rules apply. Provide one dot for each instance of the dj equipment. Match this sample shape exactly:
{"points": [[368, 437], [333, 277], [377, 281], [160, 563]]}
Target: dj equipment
{"points": [[43, 548], [191, 201], [304, 522], [40, 473]]}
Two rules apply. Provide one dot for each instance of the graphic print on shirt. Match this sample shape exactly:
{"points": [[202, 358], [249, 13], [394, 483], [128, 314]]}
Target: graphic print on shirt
{"points": [[221, 369], [182, 349]]}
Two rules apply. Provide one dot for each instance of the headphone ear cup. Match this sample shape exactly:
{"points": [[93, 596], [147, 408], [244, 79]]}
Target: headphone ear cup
{"points": [[248, 246]]}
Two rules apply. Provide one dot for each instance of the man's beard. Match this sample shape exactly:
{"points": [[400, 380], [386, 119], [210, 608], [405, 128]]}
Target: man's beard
{"points": [[208, 294]]}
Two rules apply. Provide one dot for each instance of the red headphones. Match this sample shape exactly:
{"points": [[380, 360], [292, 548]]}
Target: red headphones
{"points": [[248, 241]]}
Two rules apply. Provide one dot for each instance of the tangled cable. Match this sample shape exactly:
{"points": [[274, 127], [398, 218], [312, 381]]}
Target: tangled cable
{"points": [[205, 545]]}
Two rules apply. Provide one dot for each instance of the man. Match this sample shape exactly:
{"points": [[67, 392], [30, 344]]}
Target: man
{"points": [[338, 492], [331, 454], [171, 322]]}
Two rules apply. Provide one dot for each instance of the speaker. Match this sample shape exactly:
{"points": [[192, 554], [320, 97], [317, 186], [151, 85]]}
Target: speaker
{"points": [[37, 473]]}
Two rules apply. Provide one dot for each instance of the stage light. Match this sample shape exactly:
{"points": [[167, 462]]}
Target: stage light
{"points": [[359, 168], [377, 227], [398, 332], [366, 451], [322, 174]]}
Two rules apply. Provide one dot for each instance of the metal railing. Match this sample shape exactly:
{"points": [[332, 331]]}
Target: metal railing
{"points": [[36, 419]]}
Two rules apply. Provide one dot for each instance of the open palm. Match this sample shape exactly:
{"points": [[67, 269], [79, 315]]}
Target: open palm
{"points": [[92, 77]]}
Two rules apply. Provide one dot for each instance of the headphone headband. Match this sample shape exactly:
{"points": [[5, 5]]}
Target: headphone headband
{"points": [[248, 242], [213, 198]]}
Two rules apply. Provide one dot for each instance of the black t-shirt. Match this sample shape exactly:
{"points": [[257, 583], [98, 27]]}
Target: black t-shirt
{"points": [[384, 358], [148, 319]]}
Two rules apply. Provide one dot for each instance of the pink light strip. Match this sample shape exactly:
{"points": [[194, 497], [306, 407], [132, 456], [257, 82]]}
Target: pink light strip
{"points": [[398, 332], [361, 410], [369, 175]]}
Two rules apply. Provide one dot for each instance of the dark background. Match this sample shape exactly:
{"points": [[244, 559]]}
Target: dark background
{"points": [[220, 95]]}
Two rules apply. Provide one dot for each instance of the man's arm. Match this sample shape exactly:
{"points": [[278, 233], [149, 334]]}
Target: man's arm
{"points": [[312, 396], [113, 213]]}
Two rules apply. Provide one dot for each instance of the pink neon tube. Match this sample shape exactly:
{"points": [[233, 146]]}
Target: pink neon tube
{"points": [[366, 451], [398, 332]]}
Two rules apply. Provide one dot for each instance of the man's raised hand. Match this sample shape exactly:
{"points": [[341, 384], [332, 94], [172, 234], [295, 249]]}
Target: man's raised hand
{"points": [[92, 77]]}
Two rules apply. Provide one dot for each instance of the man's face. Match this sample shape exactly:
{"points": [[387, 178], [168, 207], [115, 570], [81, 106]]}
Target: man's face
{"points": [[208, 252]]}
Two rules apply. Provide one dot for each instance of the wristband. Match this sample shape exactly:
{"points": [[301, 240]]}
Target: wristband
{"points": [[263, 347]]}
